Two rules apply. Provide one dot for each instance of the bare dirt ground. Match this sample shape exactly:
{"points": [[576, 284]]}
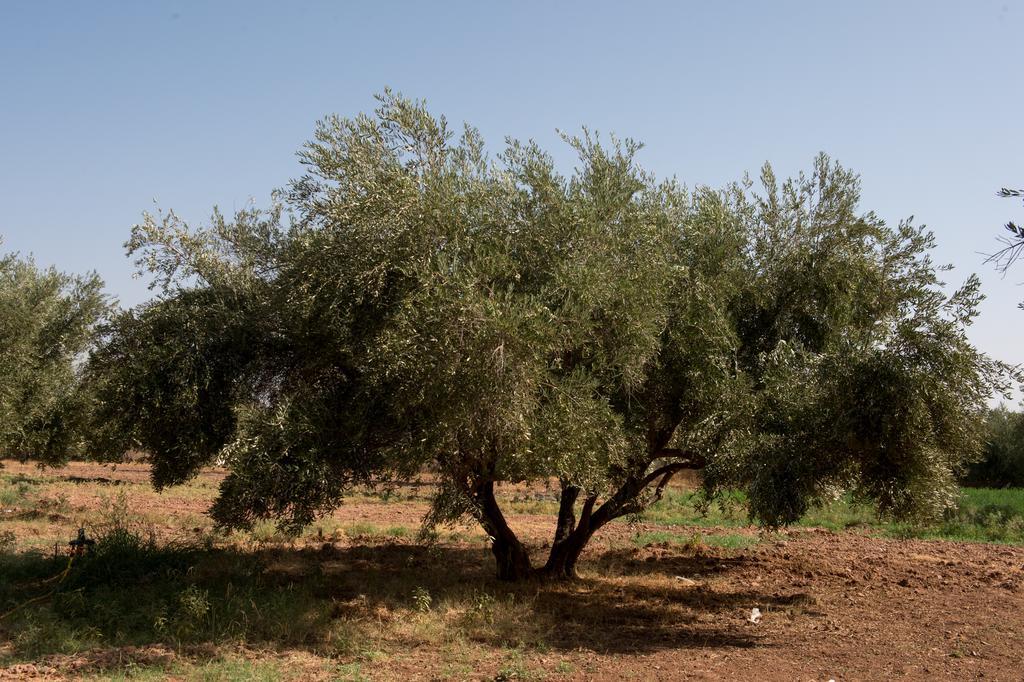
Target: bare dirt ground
{"points": [[844, 606]]}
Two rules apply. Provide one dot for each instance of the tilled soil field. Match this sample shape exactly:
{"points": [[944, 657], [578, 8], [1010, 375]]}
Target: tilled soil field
{"points": [[840, 606]]}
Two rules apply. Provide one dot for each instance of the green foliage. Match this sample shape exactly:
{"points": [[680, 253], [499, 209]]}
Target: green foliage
{"points": [[1002, 463], [865, 377], [411, 301], [47, 322], [421, 599]]}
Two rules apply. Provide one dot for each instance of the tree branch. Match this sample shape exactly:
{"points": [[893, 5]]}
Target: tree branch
{"points": [[587, 512], [566, 512], [693, 461], [659, 490], [625, 501]]}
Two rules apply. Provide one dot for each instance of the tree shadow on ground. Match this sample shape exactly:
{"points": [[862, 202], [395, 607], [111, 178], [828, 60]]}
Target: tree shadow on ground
{"points": [[677, 561], [147, 598], [96, 480]]}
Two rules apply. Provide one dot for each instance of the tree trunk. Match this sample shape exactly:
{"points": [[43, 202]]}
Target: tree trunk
{"points": [[566, 512], [570, 541], [513, 561], [561, 564], [512, 558], [570, 538]]}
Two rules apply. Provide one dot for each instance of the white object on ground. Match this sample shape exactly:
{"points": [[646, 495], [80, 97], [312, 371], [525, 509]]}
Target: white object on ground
{"points": [[755, 615]]}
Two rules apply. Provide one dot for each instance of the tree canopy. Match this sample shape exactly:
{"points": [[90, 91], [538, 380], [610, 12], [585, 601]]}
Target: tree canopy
{"points": [[412, 303], [47, 321]]}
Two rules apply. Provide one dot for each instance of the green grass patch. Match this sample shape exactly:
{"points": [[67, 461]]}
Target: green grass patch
{"points": [[219, 669], [985, 515], [683, 508], [133, 592], [361, 529], [15, 491], [130, 590], [982, 515], [538, 507], [1009, 498], [267, 532]]}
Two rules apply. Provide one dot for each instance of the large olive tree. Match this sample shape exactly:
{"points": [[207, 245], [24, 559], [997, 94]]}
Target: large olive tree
{"points": [[47, 321], [410, 302]]}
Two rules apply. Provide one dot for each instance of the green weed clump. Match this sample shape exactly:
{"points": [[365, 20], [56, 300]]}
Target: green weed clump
{"points": [[15, 491]]}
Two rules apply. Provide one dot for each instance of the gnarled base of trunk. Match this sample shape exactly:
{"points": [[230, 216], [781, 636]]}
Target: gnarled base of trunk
{"points": [[513, 561], [561, 564], [571, 536]]}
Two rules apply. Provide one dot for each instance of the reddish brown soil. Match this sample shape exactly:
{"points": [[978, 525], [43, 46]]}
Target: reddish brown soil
{"points": [[846, 607], [835, 606]]}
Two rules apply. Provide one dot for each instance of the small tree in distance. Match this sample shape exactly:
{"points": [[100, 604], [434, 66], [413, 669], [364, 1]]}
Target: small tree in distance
{"points": [[411, 302]]}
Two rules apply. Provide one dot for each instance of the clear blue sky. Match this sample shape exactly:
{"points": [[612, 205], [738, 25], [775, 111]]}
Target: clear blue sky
{"points": [[106, 107]]}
